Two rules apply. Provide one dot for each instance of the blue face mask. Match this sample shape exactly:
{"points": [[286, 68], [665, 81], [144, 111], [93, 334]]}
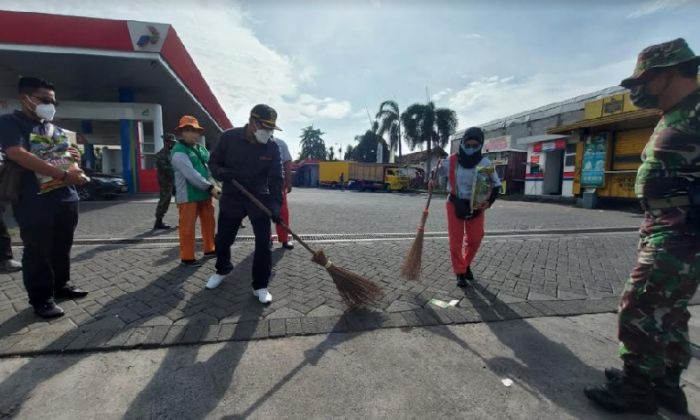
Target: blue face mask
{"points": [[469, 151]]}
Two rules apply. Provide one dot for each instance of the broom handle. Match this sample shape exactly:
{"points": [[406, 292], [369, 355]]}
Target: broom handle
{"points": [[430, 196], [267, 211]]}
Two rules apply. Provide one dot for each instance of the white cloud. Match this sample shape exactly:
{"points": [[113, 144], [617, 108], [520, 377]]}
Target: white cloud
{"points": [[653, 6], [472, 36], [441, 94], [494, 97], [239, 68]]}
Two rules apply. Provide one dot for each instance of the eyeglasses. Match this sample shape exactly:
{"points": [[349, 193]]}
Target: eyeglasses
{"points": [[45, 101]]}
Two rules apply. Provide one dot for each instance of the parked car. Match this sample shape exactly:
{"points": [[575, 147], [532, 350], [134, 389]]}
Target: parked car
{"points": [[101, 186]]}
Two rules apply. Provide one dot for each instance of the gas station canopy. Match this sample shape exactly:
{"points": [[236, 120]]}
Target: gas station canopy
{"points": [[118, 82], [94, 59]]}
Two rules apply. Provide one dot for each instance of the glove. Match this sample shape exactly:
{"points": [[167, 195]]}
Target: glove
{"points": [[275, 215], [215, 192]]}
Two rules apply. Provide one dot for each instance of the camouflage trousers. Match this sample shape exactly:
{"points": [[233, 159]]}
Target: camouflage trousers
{"points": [[653, 312], [166, 195]]}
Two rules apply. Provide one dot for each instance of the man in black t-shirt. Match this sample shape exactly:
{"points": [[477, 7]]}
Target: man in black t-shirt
{"points": [[47, 208]]}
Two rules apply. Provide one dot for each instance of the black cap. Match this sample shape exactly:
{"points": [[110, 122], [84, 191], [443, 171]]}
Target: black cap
{"points": [[474, 133], [27, 84], [265, 115]]}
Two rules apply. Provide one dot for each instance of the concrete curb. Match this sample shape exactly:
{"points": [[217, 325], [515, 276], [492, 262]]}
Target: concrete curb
{"points": [[325, 237], [84, 339]]}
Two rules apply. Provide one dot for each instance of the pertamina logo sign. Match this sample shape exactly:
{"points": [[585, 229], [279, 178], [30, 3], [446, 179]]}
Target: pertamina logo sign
{"points": [[147, 37]]}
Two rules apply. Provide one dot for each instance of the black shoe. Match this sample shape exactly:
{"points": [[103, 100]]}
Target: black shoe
{"points": [[191, 263], [668, 389], [48, 310], [159, 225], [69, 292], [629, 392], [469, 275], [209, 255], [462, 281], [287, 245]]}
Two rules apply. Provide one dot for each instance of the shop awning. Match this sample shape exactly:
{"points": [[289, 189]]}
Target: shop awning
{"points": [[642, 114], [540, 138]]}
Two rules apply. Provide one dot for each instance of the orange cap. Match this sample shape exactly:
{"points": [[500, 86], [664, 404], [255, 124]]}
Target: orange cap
{"points": [[189, 121]]}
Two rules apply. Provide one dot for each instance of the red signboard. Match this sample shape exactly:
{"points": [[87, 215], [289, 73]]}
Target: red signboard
{"points": [[549, 146], [496, 144]]}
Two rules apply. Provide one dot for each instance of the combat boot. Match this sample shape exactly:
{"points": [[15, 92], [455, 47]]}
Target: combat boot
{"points": [[667, 389], [669, 392], [159, 225], [630, 392]]}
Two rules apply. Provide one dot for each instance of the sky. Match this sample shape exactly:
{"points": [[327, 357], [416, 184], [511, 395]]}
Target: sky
{"points": [[331, 63]]}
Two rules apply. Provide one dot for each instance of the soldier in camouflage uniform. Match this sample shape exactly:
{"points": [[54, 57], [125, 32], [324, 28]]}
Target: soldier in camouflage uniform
{"points": [[166, 180], [653, 314]]}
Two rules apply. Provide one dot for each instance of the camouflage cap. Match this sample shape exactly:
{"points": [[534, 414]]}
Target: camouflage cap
{"points": [[662, 55]]}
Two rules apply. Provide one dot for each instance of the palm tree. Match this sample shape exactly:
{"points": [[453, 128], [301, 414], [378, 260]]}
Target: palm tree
{"points": [[312, 144], [425, 125], [349, 153], [389, 120]]}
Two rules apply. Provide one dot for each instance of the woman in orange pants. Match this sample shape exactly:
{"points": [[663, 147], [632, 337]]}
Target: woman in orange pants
{"points": [[465, 225], [193, 191]]}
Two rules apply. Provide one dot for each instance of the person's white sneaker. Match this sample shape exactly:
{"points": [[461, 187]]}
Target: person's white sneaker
{"points": [[215, 280], [263, 295]]}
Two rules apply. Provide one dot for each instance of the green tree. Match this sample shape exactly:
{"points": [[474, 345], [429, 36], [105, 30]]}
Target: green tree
{"points": [[312, 144], [389, 120], [366, 148], [331, 153], [349, 153], [426, 126]]}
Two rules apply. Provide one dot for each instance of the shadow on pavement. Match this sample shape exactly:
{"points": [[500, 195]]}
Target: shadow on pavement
{"points": [[167, 289], [548, 369], [93, 252], [167, 394], [311, 358]]}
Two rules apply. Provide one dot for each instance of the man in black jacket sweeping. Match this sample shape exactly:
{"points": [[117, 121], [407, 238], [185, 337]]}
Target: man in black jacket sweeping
{"points": [[248, 155]]}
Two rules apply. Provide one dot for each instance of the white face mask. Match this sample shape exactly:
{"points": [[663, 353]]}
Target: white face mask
{"points": [[263, 136], [45, 111]]}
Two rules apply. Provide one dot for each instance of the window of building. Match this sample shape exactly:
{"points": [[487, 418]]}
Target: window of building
{"points": [[570, 160], [570, 155]]}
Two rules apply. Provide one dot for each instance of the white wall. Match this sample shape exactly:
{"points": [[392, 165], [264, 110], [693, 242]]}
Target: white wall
{"points": [[567, 189]]}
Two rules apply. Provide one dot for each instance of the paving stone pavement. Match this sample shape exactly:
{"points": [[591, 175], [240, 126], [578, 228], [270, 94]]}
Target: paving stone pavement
{"points": [[141, 297], [329, 211]]}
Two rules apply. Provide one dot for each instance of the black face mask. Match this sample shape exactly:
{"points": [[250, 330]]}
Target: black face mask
{"points": [[643, 99]]}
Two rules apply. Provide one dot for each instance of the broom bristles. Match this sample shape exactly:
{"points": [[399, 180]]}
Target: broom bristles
{"points": [[410, 270], [353, 289]]}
